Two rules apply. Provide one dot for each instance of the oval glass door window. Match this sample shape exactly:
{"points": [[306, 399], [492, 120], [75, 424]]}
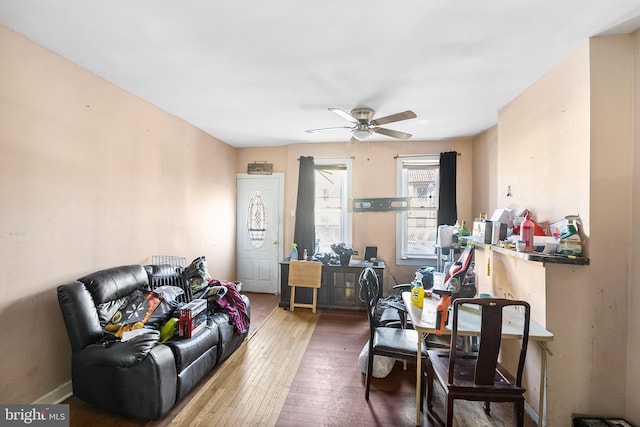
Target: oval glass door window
{"points": [[257, 219]]}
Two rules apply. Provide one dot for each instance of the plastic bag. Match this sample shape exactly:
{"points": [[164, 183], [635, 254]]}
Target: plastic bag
{"points": [[168, 292], [197, 269], [382, 365]]}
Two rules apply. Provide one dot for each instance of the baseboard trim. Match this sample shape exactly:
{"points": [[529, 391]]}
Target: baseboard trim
{"points": [[57, 395], [531, 412]]}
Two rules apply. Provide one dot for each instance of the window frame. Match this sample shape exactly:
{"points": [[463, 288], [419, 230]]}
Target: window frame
{"points": [[346, 217], [402, 258]]}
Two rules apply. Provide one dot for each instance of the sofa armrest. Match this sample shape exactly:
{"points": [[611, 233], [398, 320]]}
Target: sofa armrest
{"points": [[80, 315], [146, 390], [120, 353]]}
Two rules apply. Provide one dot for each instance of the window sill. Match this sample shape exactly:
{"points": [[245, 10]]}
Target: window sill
{"points": [[426, 261]]}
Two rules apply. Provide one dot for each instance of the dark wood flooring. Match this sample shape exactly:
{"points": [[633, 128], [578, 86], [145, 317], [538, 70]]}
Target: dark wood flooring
{"points": [[328, 389], [261, 307]]}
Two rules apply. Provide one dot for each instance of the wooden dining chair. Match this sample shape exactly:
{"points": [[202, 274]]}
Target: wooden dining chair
{"points": [[478, 376], [304, 274], [397, 343]]}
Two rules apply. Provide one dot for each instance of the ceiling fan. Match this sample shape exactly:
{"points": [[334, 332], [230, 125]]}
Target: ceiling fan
{"points": [[364, 126]]}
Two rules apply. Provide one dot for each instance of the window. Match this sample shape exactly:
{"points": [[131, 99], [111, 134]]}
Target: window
{"points": [[418, 179], [333, 190]]}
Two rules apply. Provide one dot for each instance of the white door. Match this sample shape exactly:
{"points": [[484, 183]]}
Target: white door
{"points": [[259, 231]]}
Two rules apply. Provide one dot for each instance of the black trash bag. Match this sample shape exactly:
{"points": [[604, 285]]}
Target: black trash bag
{"points": [[427, 277], [323, 257], [385, 303], [197, 275], [197, 268], [344, 252]]}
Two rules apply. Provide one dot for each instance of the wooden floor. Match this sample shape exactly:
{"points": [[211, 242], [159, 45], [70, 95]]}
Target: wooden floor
{"points": [[250, 387], [329, 387], [294, 372]]}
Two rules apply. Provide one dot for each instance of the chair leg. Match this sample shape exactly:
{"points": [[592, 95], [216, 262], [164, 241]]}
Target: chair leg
{"points": [[487, 407], [450, 400], [369, 373], [429, 380], [293, 298], [519, 412], [423, 386], [315, 298]]}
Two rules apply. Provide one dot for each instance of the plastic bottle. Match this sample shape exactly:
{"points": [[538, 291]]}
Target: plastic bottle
{"points": [[293, 255], [442, 313], [417, 292], [416, 279], [570, 242], [526, 233], [464, 231]]}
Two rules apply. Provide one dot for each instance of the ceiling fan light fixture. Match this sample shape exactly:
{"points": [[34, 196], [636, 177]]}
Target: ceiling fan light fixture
{"points": [[361, 134], [363, 124]]}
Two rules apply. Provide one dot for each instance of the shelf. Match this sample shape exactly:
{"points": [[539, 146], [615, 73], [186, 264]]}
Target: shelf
{"points": [[535, 256]]}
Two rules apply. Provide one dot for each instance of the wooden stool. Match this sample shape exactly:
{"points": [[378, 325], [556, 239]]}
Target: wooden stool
{"points": [[304, 274]]}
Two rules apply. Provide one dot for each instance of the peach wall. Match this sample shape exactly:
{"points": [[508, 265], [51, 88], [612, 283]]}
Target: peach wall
{"points": [[543, 158], [564, 146], [543, 148], [633, 343], [611, 145], [374, 175], [485, 171], [91, 177]]}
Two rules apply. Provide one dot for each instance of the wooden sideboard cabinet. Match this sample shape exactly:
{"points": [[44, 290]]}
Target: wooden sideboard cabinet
{"points": [[339, 286]]}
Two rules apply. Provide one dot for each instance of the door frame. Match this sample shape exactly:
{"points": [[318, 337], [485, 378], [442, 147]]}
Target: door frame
{"points": [[279, 177]]}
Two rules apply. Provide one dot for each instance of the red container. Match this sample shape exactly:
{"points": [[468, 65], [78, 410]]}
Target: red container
{"points": [[527, 229]]}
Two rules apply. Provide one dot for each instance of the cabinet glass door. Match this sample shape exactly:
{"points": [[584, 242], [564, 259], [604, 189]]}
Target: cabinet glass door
{"points": [[345, 288]]}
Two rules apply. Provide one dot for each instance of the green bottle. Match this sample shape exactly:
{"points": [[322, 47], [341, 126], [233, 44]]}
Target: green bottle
{"points": [[570, 242], [464, 231]]}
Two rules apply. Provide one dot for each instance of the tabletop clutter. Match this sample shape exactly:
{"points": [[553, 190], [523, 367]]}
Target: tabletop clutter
{"points": [[340, 255], [507, 229], [517, 230], [433, 293], [457, 281]]}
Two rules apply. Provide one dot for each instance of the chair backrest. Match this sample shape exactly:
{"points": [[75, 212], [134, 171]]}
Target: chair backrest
{"points": [[369, 294], [459, 269], [492, 311], [306, 274]]}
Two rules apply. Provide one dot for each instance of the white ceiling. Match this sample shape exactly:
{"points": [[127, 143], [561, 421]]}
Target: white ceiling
{"points": [[259, 73]]}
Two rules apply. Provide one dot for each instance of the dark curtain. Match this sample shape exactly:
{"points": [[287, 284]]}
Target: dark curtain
{"points": [[305, 230], [448, 209]]}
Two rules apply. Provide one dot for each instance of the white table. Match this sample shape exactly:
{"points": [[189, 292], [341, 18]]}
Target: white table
{"points": [[424, 321]]}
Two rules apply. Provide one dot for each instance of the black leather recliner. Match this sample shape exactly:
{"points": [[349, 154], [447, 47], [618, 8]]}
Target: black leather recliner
{"points": [[139, 377]]}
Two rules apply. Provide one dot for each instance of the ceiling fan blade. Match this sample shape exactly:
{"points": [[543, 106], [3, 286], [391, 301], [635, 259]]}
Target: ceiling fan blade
{"points": [[405, 115], [393, 133], [344, 114], [325, 129]]}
